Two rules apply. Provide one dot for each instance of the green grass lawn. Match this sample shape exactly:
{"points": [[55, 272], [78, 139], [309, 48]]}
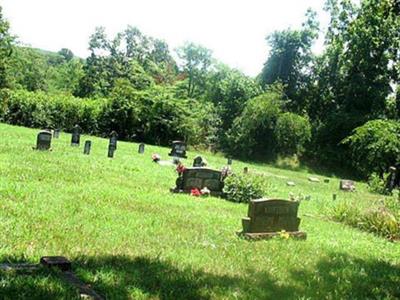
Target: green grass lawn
{"points": [[130, 238]]}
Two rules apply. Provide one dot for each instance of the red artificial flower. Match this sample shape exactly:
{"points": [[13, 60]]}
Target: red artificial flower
{"points": [[180, 168], [195, 192]]}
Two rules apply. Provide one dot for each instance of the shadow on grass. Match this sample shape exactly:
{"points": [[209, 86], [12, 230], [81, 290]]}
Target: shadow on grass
{"points": [[337, 276], [340, 276], [161, 280]]}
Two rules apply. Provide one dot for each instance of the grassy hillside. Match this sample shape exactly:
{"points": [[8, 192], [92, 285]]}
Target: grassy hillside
{"points": [[130, 237]]}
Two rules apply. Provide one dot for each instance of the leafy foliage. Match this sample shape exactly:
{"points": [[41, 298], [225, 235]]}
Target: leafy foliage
{"points": [[241, 188], [375, 146]]}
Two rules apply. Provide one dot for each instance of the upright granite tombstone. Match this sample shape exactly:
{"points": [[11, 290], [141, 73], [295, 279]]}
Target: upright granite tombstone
{"points": [[113, 140], [110, 152], [141, 148], [86, 149], [178, 149], [76, 136], [43, 141], [199, 178], [56, 133], [199, 162], [267, 218]]}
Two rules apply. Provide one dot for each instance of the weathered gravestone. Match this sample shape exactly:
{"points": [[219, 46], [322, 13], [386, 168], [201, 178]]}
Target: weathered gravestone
{"points": [[230, 161], [113, 140], [178, 149], [43, 141], [141, 148], [347, 185], [199, 178], [76, 136], [86, 149], [270, 217], [199, 162], [110, 152], [56, 133]]}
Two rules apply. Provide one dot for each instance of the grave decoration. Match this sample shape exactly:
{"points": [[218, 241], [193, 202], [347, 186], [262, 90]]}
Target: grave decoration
{"points": [[76, 136], [113, 140], [347, 185], [141, 148], [268, 218], [191, 180], [178, 149], [43, 141], [56, 133], [64, 268], [199, 162], [88, 146]]}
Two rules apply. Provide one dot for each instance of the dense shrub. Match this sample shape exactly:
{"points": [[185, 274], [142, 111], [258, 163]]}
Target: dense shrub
{"points": [[40, 110], [153, 116], [292, 132], [240, 188], [375, 146], [377, 184]]}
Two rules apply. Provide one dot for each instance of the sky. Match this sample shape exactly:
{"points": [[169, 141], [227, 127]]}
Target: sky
{"points": [[234, 30]]}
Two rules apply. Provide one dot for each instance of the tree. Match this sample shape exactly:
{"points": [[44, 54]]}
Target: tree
{"points": [[290, 58], [196, 61], [6, 47], [66, 53]]}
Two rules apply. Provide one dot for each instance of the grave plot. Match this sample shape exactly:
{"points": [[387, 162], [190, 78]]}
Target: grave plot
{"points": [[268, 218], [43, 141], [199, 178]]}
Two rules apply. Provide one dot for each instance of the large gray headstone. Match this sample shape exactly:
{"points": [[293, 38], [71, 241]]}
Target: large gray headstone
{"points": [[76, 136], [178, 149], [43, 141], [200, 178], [271, 216]]}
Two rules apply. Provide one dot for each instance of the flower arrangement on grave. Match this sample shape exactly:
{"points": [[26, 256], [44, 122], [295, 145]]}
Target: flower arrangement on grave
{"points": [[195, 192], [155, 157], [180, 168]]}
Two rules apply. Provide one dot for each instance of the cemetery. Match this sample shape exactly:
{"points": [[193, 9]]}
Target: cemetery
{"points": [[113, 217], [168, 150]]}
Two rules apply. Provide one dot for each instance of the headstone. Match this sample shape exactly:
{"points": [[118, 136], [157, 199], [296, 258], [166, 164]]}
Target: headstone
{"points": [[334, 197], [313, 179], [56, 133], [110, 153], [178, 149], [43, 141], [199, 162], [267, 218], [290, 183], [347, 185], [113, 140], [86, 149], [245, 170], [393, 180], [229, 161], [199, 178], [141, 148], [326, 180], [76, 136]]}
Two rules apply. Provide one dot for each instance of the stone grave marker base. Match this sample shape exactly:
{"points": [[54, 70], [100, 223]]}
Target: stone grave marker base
{"points": [[299, 235]]}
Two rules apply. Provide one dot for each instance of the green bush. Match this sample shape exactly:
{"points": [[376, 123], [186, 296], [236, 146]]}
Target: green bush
{"points": [[292, 132], [375, 146], [377, 184], [382, 219], [241, 188]]}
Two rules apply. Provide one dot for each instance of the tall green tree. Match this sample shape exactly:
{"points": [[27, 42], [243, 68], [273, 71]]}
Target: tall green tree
{"points": [[290, 58], [6, 46], [196, 61]]}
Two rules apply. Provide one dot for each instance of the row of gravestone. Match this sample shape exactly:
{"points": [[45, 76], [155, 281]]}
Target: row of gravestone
{"points": [[44, 138]]}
